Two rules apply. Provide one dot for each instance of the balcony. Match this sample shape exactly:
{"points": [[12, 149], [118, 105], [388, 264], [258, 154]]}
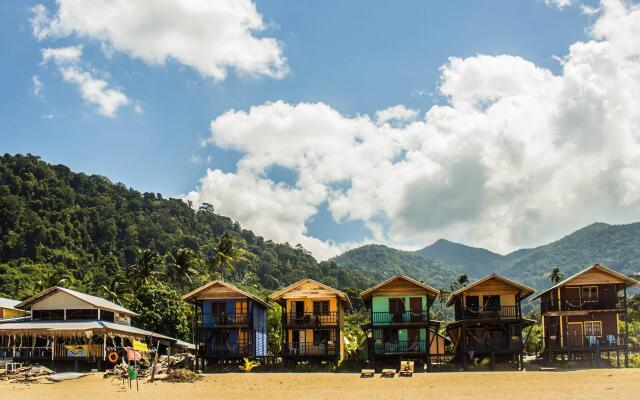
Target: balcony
{"points": [[400, 347], [583, 342], [406, 317], [237, 348], [491, 313], [303, 349], [230, 319], [585, 305], [311, 319], [60, 352]]}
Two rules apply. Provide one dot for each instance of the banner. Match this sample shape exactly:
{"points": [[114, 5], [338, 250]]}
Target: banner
{"points": [[139, 346]]}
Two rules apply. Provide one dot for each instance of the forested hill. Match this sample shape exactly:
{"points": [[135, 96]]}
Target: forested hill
{"points": [[616, 246], [62, 227]]}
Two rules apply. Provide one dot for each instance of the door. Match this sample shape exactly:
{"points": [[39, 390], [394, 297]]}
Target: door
{"points": [[298, 307], [574, 334], [396, 309], [415, 304], [472, 306], [413, 344], [572, 295]]}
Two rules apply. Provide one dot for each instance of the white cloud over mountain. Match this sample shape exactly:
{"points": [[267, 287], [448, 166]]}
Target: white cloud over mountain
{"points": [[208, 36], [94, 90], [517, 156]]}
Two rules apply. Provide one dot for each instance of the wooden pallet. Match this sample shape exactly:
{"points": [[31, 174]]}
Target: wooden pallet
{"points": [[367, 373], [388, 373]]}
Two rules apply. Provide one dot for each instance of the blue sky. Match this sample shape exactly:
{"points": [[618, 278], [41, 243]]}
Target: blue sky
{"points": [[356, 56]]}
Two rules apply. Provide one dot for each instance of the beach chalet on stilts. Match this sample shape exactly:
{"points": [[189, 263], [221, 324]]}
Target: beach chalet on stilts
{"points": [[312, 321], [400, 319], [230, 323], [581, 314], [69, 329], [489, 321]]}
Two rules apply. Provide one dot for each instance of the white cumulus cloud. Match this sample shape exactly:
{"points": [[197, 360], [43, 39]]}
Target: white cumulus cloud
{"points": [[94, 90], [209, 36], [518, 156]]}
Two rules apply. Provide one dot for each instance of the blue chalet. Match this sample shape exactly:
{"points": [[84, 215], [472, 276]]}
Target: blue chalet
{"points": [[229, 323]]}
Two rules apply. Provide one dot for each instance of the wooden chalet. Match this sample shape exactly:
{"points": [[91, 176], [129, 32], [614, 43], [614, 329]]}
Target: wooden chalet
{"points": [[70, 328], [489, 321], [400, 320], [229, 323], [581, 314], [312, 321]]}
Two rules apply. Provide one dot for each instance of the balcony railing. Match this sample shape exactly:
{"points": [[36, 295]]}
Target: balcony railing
{"points": [[233, 348], [230, 319], [90, 351], [578, 305], [310, 349], [387, 318], [311, 319], [400, 347], [584, 341], [492, 312]]}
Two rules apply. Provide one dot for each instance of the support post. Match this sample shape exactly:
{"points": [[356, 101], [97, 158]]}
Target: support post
{"points": [[428, 335], [626, 330]]}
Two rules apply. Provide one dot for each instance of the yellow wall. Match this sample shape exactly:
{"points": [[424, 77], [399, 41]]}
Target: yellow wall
{"points": [[308, 304], [5, 313]]}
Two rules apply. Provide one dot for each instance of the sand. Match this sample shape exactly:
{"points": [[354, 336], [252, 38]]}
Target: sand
{"points": [[558, 385]]}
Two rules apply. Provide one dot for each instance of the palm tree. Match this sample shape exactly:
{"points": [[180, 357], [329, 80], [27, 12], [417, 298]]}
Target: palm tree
{"points": [[50, 277], [145, 267], [460, 282], [555, 275], [182, 265], [227, 254], [117, 291]]}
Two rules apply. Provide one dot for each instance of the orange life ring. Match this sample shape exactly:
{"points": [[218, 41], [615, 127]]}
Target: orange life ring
{"points": [[112, 357]]}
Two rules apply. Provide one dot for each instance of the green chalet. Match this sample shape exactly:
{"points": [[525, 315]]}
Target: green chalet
{"points": [[400, 320]]}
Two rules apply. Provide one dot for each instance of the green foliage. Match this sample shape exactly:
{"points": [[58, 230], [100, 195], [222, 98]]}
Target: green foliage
{"points": [[555, 275], [274, 329], [354, 337], [161, 309], [249, 365]]}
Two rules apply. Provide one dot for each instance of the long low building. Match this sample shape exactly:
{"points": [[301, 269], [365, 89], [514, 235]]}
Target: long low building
{"points": [[67, 327]]}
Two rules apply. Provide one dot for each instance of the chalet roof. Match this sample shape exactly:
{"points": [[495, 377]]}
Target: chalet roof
{"points": [[194, 294], [95, 301], [628, 281], [367, 293], [75, 327], [525, 290], [341, 295], [9, 304]]}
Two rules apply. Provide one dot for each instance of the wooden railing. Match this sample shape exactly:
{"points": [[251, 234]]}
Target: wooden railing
{"points": [[388, 318], [230, 319], [584, 341], [578, 305], [311, 319], [403, 346], [60, 352], [491, 312], [310, 349]]}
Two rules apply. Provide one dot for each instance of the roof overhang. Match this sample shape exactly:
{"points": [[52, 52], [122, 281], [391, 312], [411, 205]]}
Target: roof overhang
{"points": [[193, 295], [275, 296], [525, 290], [368, 293]]}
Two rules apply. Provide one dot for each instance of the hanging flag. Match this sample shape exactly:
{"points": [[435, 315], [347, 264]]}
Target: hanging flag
{"points": [[133, 355], [133, 374], [140, 346]]}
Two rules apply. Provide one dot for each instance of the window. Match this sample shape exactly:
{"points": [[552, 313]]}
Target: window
{"points": [[321, 307], [321, 336], [491, 303], [88, 314], [48, 315], [593, 328], [589, 293], [107, 316], [218, 308]]}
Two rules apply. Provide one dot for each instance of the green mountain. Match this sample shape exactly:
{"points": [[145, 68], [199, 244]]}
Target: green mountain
{"points": [[62, 227], [381, 262], [615, 246], [472, 261]]}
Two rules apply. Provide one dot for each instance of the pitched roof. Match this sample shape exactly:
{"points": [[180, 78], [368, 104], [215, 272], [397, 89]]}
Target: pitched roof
{"points": [[527, 291], [366, 294], [95, 301], [9, 304], [342, 295], [628, 281], [194, 293]]}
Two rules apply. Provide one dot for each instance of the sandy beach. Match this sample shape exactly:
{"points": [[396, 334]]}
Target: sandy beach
{"points": [[588, 384]]}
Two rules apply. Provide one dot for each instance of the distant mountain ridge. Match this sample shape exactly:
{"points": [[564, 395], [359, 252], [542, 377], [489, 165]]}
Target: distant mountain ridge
{"points": [[616, 246]]}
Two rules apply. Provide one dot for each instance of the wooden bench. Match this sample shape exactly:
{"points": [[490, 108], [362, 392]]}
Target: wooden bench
{"points": [[388, 373], [406, 368], [367, 373]]}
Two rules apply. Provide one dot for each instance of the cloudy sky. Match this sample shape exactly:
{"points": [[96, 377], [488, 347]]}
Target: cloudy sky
{"points": [[499, 124]]}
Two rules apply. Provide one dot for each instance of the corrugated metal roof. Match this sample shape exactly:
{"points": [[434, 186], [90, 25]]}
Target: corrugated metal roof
{"points": [[95, 301], [8, 304]]}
